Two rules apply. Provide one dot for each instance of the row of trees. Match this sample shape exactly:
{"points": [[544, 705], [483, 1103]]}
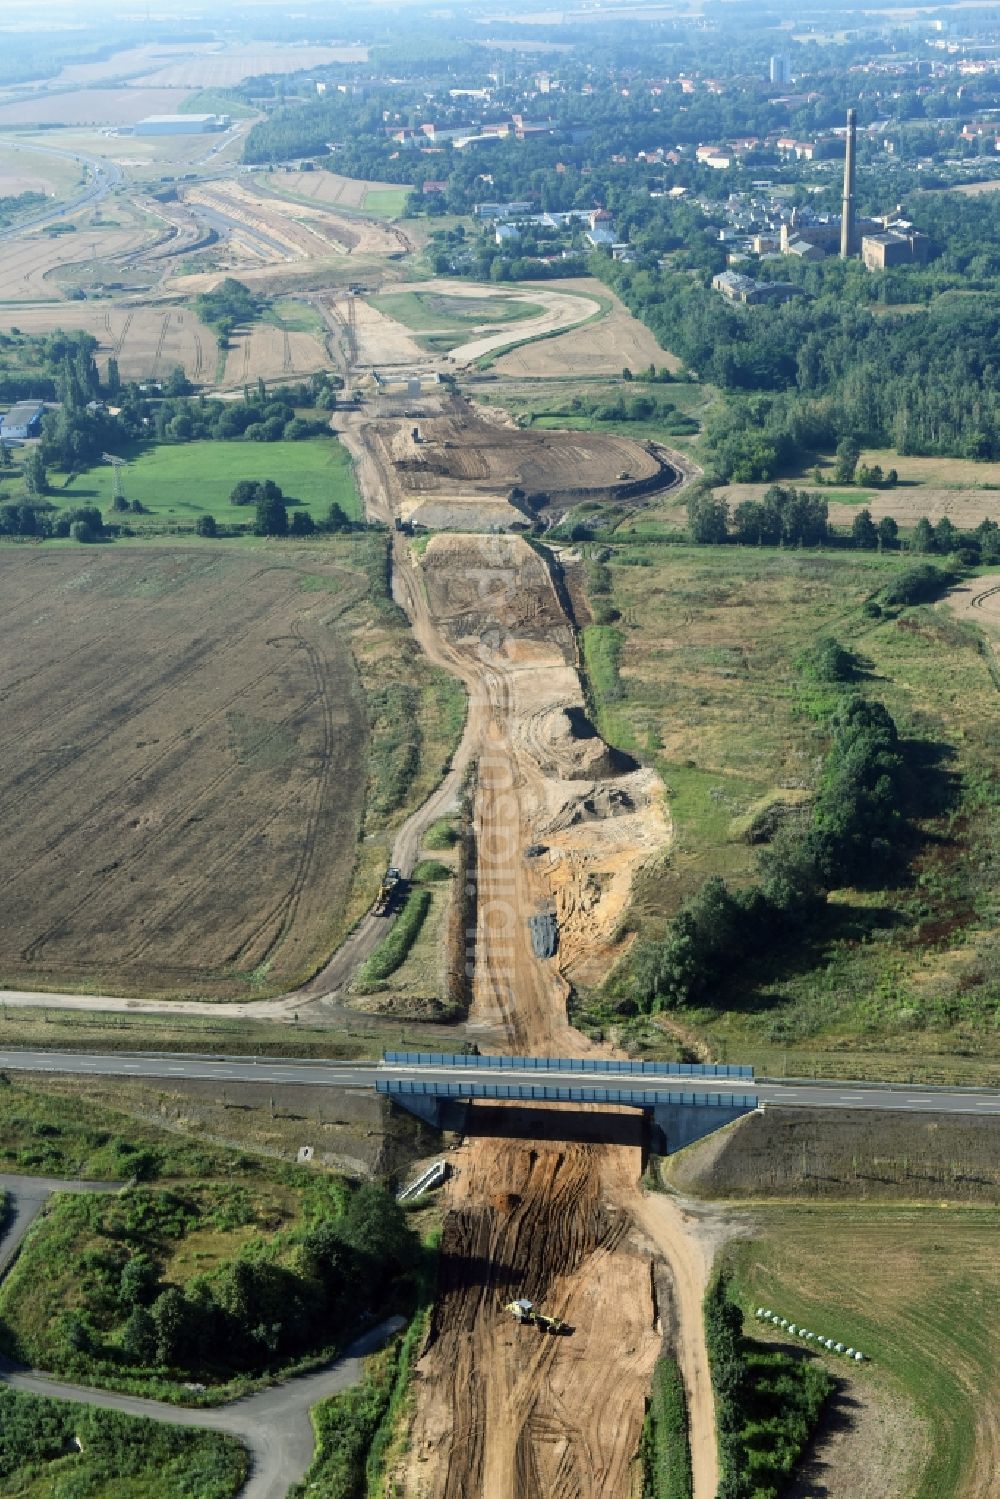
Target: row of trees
{"points": [[767, 1404], [853, 837], [786, 516]]}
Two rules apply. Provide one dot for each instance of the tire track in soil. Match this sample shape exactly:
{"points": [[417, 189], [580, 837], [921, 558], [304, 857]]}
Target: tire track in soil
{"points": [[123, 335], [285, 910], [167, 682], [164, 328]]}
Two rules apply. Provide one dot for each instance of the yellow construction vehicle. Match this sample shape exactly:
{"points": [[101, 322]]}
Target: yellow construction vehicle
{"points": [[525, 1311]]}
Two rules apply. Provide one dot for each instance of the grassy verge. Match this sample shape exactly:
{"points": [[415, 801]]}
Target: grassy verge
{"points": [[54, 1447], [913, 1287], [601, 652], [665, 1454], [698, 678], [356, 1038], [442, 834], [354, 1430], [392, 950]]}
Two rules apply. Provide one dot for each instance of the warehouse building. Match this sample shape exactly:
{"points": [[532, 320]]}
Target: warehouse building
{"points": [[22, 421], [180, 124]]}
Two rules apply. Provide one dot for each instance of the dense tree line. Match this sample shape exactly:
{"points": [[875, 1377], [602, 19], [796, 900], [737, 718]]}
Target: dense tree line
{"points": [[269, 1304], [853, 837], [767, 1404], [786, 516], [805, 375]]}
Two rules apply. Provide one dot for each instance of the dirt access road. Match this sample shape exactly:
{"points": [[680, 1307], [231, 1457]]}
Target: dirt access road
{"points": [[547, 1207]]}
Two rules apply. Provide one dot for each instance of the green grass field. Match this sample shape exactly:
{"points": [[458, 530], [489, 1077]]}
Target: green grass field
{"points": [[426, 312], [180, 483], [913, 1288], [699, 679], [295, 316], [386, 202]]}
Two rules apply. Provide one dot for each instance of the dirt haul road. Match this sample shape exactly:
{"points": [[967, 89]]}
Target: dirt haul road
{"points": [[504, 1411]]}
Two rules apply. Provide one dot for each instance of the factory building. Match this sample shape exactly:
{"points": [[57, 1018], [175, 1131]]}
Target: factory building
{"points": [[897, 246], [180, 124]]}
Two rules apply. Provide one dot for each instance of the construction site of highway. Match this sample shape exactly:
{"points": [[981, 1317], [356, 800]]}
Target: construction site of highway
{"points": [[546, 1229], [560, 1282]]}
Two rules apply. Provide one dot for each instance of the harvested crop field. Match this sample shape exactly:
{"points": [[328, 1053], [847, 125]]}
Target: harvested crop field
{"points": [[184, 733], [270, 353], [328, 188], [605, 347], [228, 66], [29, 267], [978, 601], [147, 341], [92, 106], [13, 184], [965, 507]]}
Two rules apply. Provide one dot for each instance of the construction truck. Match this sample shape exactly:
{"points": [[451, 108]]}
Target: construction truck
{"points": [[525, 1311], [390, 886]]}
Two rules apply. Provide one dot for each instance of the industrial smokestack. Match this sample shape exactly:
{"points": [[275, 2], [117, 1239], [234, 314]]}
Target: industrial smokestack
{"points": [[847, 212]]}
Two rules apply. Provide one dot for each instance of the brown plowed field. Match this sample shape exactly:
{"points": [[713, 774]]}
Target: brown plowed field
{"points": [[184, 745]]}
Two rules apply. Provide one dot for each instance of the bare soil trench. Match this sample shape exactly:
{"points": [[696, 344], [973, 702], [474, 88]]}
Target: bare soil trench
{"points": [[546, 1206]]}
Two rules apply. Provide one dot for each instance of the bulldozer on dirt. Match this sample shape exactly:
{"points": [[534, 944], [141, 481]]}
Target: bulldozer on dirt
{"points": [[525, 1311]]}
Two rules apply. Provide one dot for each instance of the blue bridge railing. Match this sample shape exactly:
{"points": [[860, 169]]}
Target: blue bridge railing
{"points": [[637, 1098], [567, 1064]]}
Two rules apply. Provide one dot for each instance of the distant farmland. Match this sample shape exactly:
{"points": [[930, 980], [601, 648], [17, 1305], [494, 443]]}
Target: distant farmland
{"points": [[184, 737]]}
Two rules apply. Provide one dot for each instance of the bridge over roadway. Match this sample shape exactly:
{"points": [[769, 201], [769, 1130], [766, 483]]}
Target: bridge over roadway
{"points": [[528, 1072]]}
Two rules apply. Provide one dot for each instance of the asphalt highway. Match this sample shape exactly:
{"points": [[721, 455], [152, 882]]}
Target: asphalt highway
{"points": [[794, 1093], [104, 175]]}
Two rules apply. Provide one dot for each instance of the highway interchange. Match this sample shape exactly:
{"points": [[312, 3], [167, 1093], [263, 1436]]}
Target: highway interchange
{"points": [[771, 1092]]}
